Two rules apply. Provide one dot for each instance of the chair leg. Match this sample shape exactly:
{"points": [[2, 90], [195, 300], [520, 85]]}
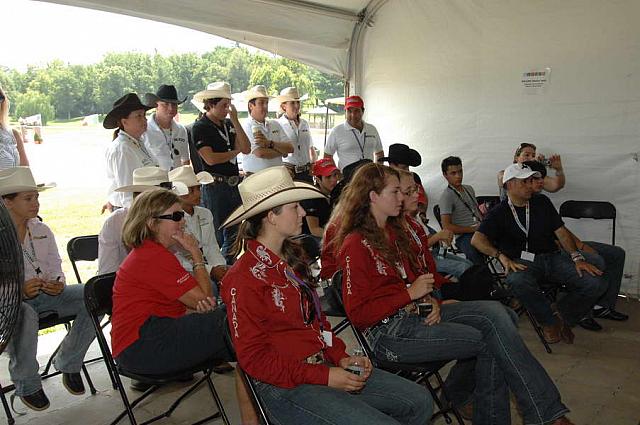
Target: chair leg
{"points": [[538, 330], [216, 398], [7, 409], [451, 408], [88, 378]]}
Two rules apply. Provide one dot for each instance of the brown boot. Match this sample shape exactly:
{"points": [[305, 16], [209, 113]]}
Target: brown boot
{"points": [[565, 330], [562, 421], [552, 333]]}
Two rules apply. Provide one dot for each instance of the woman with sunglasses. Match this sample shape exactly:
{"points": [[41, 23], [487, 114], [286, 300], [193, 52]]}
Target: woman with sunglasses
{"points": [[151, 334], [527, 152], [12, 153], [382, 283], [282, 339]]}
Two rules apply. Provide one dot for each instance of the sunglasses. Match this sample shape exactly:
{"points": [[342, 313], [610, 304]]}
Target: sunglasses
{"points": [[176, 216]]}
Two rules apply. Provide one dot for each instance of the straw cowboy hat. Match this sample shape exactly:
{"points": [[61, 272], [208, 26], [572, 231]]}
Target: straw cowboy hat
{"points": [[148, 178], [188, 177], [165, 93], [219, 89], [290, 94], [20, 179], [268, 189], [256, 92], [122, 108]]}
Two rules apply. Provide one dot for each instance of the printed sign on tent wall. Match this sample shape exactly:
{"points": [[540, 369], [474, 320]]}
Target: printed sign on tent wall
{"points": [[535, 81]]}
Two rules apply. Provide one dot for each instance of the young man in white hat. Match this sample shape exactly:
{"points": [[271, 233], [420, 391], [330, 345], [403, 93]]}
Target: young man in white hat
{"points": [[111, 250], [165, 138], [354, 139], [521, 233], [44, 291], [296, 129], [269, 144], [219, 140], [199, 222]]}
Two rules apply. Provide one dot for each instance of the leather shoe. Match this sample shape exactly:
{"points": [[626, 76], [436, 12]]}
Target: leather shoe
{"points": [[562, 421], [36, 401], [73, 383], [565, 331], [223, 368], [139, 385], [589, 324], [551, 333], [607, 313]]}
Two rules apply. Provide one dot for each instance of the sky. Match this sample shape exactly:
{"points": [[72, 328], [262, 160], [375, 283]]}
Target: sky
{"points": [[38, 32]]}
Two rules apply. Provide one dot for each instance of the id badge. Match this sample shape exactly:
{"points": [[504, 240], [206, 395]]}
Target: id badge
{"points": [[528, 256], [328, 338]]}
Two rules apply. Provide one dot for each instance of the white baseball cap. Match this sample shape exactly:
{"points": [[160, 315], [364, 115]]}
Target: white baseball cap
{"points": [[518, 171]]}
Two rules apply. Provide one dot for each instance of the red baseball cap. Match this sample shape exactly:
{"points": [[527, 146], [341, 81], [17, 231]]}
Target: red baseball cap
{"points": [[353, 102], [324, 167]]}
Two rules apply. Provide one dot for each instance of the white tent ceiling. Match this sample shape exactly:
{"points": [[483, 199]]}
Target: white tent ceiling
{"points": [[318, 33]]}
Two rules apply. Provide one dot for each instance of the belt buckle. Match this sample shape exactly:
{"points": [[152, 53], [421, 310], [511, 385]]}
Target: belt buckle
{"points": [[233, 180]]}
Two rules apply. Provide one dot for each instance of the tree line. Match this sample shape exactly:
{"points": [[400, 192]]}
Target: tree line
{"points": [[65, 91]]}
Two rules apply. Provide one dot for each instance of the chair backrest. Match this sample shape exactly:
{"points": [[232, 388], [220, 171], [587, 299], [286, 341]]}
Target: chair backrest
{"points": [[436, 214], [82, 248], [597, 210], [98, 294], [489, 201], [332, 299]]}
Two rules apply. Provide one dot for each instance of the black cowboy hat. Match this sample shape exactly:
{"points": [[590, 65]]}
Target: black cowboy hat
{"points": [[165, 93], [122, 108], [402, 154]]}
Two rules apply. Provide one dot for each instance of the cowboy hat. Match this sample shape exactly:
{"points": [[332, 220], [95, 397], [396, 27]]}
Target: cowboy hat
{"points": [[219, 89], [20, 179], [255, 92], [165, 93], [400, 153], [290, 94], [269, 188], [147, 178], [122, 108], [188, 177]]}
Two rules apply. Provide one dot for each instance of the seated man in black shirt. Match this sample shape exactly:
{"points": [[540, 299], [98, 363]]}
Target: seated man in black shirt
{"points": [[319, 210], [521, 233], [219, 140]]}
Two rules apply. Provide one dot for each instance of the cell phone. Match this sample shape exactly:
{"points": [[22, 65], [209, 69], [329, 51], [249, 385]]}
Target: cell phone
{"points": [[424, 309]]}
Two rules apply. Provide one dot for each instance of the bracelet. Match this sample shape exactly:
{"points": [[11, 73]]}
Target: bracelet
{"points": [[576, 256], [196, 265]]}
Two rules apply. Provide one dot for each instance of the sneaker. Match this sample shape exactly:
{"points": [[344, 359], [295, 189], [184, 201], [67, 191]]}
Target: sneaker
{"points": [[36, 401], [607, 313], [73, 383], [589, 324]]}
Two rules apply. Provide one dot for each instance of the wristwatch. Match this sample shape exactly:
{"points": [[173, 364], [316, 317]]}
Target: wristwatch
{"points": [[577, 256]]}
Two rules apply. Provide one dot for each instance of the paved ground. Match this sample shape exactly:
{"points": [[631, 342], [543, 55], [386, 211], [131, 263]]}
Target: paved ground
{"points": [[599, 378]]}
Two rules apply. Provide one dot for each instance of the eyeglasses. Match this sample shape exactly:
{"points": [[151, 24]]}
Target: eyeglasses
{"points": [[175, 216], [411, 191]]}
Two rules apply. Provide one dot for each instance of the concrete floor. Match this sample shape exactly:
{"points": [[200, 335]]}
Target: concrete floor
{"points": [[598, 377]]}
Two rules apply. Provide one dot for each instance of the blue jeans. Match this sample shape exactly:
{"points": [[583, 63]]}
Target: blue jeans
{"points": [[222, 200], [463, 243], [484, 330], [386, 399], [451, 265], [614, 258], [557, 267], [23, 346]]}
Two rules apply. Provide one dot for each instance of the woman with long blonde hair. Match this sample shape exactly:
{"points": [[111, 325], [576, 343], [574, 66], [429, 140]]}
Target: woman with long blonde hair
{"points": [[385, 295], [12, 153]]}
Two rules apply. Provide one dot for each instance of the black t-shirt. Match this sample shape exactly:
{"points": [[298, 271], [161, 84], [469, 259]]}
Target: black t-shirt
{"points": [[206, 133], [500, 227], [319, 208]]}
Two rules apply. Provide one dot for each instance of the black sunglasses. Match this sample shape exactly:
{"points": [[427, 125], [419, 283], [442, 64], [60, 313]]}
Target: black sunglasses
{"points": [[176, 216]]}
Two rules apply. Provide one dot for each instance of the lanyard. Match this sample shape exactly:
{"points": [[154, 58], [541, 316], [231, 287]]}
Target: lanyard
{"points": [[296, 131], [169, 141], [524, 228], [31, 256], [199, 235], [291, 276], [225, 135], [139, 145], [473, 211], [364, 141]]}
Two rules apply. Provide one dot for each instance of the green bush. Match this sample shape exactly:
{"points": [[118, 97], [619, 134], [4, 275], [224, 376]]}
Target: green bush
{"points": [[32, 103]]}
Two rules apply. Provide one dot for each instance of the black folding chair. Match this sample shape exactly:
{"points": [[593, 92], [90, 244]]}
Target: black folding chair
{"points": [[489, 201], [45, 322], [420, 373], [98, 293], [597, 210]]}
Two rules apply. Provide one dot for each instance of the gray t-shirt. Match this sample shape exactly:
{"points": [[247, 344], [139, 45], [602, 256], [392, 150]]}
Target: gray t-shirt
{"points": [[460, 205]]}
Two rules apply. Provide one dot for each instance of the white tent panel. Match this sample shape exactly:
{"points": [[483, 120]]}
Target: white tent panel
{"points": [[445, 77]]}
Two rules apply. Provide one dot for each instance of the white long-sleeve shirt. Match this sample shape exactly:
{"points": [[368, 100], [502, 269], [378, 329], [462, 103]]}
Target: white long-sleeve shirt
{"points": [[41, 252], [111, 250], [169, 147]]}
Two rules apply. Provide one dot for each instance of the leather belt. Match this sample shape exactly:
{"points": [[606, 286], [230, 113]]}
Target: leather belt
{"points": [[317, 358], [299, 169], [230, 180]]}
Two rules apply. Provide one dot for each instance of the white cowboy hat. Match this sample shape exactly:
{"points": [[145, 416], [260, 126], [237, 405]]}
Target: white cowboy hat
{"points": [[20, 179], [290, 94], [199, 106], [148, 178], [219, 89], [269, 188], [188, 177], [256, 92]]}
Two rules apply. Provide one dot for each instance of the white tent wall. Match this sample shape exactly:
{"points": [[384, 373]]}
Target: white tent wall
{"points": [[445, 77]]}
